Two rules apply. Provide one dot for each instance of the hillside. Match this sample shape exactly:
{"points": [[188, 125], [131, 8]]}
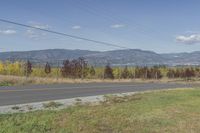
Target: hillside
{"points": [[115, 57]]}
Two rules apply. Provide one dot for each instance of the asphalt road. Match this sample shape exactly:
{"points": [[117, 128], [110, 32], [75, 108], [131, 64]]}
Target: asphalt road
{"points": [[38, 93]]}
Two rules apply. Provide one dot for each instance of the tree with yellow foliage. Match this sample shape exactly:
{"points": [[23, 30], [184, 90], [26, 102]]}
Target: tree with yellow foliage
{"points": [[2, 70]]}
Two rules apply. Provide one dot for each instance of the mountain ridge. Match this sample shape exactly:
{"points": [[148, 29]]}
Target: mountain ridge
{"points": [[113, 57]]}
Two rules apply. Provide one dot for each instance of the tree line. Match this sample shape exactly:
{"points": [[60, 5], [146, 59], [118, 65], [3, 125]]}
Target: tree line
{"points": [[79, 68], [187, 73]]}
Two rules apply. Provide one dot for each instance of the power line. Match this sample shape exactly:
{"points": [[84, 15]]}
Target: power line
{"points": [[64, 34]]}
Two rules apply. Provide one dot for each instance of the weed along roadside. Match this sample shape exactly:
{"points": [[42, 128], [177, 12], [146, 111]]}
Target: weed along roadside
{"points": [[6, 80]]}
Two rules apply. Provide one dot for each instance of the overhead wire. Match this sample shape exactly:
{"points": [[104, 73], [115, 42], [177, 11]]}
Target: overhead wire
{"points": [[64, 34]]}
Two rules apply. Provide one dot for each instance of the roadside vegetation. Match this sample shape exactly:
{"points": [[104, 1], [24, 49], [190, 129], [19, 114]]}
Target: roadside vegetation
{"points": [[153, 112], [52, 105], [78, 69], [6, 83]]}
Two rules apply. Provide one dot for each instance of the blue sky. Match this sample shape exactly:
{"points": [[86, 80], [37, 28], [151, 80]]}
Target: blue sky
{"points": [[162, 26]]}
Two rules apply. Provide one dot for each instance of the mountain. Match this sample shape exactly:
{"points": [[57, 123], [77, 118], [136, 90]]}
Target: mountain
{"points": [[115, 57], [185, 58], [125, 57], [52, 54]]}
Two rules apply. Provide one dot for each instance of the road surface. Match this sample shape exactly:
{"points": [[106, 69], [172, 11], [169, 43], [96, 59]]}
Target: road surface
{"points": [[39, 93]]}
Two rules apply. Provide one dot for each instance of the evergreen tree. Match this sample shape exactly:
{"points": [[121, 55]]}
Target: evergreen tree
{"points": [[47, 68], [108, 72], [125, 73], [28, 68]]}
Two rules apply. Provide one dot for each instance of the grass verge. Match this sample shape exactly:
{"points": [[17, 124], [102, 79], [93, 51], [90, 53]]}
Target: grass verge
{"points": [[153, 112], [6, 84], [52, 105], [6, 80]]}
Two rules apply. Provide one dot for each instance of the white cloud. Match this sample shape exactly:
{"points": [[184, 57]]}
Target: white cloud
{"points": [[76, 27], [34, 33], [190, 39], [39, 25], [117, 26], [8, 32]]}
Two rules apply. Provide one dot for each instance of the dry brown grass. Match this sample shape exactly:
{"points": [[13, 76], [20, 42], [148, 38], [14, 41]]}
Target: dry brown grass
{"points": [[19, 80]]}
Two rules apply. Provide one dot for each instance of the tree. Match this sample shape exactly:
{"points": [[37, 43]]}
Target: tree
{"points": [[66, 68], [125, 73], [15, 68], [76, 68], [117, 72], [83, 67], [170, 73], [108, 72], [154, 73], [177, 73], [197, 72], [28, 68], [92, 71], [158, 74], [137, 72], [47, 68], [189, 73], [1, 68]]}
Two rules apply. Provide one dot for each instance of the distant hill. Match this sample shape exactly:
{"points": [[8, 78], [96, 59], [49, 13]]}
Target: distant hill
{"points": [[192, 58], [52, 54], [125, 57], [115, 57]]}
